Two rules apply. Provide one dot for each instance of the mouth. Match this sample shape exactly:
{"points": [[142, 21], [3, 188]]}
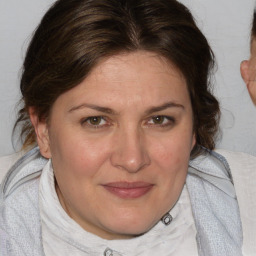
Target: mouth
{"points": [[128, 190]]}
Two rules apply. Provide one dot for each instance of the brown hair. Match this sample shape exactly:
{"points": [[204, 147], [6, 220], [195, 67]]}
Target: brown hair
{"points": [[74, 35]]}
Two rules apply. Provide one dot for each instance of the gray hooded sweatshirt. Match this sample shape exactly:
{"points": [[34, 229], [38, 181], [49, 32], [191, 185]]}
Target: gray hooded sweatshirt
{"points": [[210, 187]]}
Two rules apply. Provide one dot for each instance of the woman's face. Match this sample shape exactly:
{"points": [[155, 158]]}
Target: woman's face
{"points": [[120, 143]]}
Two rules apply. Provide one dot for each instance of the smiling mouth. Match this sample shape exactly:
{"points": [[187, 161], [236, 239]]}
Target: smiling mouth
{"points": [[128, 190]]}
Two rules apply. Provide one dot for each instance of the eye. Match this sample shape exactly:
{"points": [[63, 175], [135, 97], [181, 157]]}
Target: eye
{"points": [[161, 121], [94, 121], [158, 119]]}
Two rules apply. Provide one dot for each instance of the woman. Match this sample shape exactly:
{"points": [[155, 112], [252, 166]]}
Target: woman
{"points": [[116, 95]]}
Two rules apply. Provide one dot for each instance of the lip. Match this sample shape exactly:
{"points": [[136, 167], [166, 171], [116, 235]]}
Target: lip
{"points": [[128, 190]]}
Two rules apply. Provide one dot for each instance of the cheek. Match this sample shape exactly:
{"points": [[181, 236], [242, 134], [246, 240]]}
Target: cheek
{"points": [[77, 156], [171, 162], [171, 157], [173, 151]]}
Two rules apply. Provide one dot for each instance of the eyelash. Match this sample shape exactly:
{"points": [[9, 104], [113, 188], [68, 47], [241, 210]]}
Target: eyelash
{"points": [[167, 121]]}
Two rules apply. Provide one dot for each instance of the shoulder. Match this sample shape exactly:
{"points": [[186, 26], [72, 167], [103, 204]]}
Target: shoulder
{"points": [[7, 161], [243, 170], [239, 158], [19, 207], [19, 219]]}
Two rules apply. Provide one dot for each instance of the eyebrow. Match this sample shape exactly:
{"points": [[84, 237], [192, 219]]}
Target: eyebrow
{"points": [[164, 106], [95, 107], [112, 112]]}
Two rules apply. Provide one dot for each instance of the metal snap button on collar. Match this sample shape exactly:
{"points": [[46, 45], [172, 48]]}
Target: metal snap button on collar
{"points": [[167, 219], [108, 252]]}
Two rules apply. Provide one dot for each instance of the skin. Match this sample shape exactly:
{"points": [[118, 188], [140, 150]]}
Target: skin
{"points": [[248, 72], [129, 121]]}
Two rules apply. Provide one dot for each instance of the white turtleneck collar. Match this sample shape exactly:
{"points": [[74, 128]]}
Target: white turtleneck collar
{"points": [[62, 236]]}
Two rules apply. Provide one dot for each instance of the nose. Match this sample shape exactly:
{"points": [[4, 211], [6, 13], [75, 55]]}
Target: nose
{"points": [[130, 151]]}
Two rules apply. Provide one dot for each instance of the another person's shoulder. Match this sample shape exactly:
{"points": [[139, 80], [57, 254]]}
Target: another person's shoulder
{"points": [[243, 170], [239, 162]]}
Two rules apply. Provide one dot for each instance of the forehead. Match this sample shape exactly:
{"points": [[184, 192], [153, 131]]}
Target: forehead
{"points": [[135, 71], [140, 60], [140, 79]]}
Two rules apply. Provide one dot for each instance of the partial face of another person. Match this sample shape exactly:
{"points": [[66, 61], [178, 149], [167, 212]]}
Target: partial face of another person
{"points": [[120, 143], [248, 72]]}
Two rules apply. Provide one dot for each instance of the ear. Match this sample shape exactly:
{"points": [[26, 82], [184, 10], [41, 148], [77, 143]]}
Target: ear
{"points": [[252, 91], [251, 85], [244, 69], [41, 130]]}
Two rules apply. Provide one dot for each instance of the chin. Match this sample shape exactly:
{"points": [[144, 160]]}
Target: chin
{"points": [[130, 228]]}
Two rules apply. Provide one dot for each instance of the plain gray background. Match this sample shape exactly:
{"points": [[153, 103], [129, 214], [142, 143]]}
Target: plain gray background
{"points": [[226, 24]]}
